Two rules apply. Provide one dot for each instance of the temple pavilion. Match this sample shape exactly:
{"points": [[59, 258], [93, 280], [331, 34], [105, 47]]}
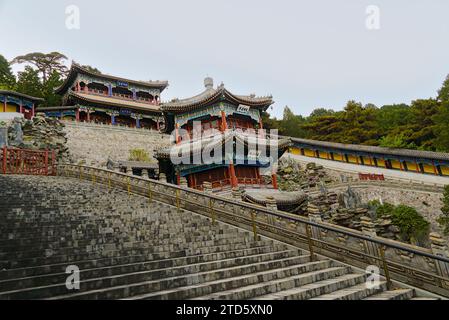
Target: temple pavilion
{"points": [[90, 96], [12, 101], [230, 125]]}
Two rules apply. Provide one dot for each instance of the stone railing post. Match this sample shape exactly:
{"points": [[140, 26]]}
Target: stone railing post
{"points": [[372, 248], [236, 195], [162, 177], [183, 182], [368, 227], [145, 173], [270, 203], [439, 248], [207, 187], [315, 217]]}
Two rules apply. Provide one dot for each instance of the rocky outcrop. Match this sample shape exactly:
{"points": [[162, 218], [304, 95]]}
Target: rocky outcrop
{"points": [[292, 176], [40, 133]]}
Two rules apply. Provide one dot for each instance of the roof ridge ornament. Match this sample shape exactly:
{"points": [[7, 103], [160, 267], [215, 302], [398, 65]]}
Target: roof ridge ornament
{"points": [[209, 83]]}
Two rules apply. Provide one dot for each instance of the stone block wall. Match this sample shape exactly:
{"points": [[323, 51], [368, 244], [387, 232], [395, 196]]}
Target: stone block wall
{"points": [[93, 144], [428, 204]]}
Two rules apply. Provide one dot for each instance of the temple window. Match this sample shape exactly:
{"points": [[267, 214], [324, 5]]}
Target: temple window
{"points": [[122, 93], [144, 96], [97, 88]]}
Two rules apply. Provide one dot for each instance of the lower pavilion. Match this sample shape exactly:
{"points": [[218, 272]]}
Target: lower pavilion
{"points": [[220, 120]]}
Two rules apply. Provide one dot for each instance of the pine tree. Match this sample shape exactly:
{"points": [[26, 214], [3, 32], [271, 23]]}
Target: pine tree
{"points": [[7, 78]]}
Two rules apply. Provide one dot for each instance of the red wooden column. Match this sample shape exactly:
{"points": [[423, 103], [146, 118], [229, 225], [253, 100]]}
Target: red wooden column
{"points": [[88, 116], [4, 105], [224, 124], [274, 180], [32, 111], [158, 127], [177, 137], [178, 179], [21, 107], [417, 166], [77, 115], [234, 182]]}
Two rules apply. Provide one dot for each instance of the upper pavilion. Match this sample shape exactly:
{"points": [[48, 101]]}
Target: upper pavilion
{"points": [[98, 97], [216, 108]]}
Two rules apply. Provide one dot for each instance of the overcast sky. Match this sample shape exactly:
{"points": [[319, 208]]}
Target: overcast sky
{"points": [[307, 54]]}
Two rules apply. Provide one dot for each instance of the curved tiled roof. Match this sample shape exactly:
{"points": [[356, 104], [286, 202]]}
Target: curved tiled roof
{"points": [[282, 198], [111, 101], [76, 68], [196, 146], [375, 149], [211, 95], [21, 95]]}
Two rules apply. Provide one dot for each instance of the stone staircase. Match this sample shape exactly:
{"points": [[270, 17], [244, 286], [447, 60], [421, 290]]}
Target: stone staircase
{"points": [[128, 248]]}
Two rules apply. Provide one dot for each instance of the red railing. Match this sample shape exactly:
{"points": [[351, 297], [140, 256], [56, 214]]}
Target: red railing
{"points": [[252, 182], [371, 176], [25, 161]]}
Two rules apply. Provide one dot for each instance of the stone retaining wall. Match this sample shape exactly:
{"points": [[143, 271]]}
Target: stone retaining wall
{"points": [[93, 144]]}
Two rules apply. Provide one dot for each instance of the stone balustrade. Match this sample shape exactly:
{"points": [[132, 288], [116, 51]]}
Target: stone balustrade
{"points": [[420, 267]]}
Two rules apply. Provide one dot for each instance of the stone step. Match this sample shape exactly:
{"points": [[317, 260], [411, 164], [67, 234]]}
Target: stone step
{"points": [[85, 274], [11, 256], [355, 292], [398, 294], [271, 287], [120, 286], [36, 270], [211, 286], [159, 252], [62, 242], [317, 288]]}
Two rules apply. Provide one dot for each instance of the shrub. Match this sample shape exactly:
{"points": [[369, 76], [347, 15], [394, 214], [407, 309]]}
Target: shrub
{"points": [[381, 209], [138, 155], [412, 225]]}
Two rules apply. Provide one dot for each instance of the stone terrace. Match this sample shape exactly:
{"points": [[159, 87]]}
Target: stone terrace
{"points": [[129, 248]]}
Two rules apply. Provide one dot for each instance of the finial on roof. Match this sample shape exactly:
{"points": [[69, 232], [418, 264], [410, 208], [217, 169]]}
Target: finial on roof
{"points": [[209, 83]]}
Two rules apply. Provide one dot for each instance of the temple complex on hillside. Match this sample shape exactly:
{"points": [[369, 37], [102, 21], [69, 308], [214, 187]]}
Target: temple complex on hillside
{"points": [[96, 97], [218, 118], [12, 101]]}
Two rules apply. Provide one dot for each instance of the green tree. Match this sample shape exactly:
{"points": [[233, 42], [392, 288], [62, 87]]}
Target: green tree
{"points": [[320, 112], [45, 63], [7, 78], [28, 82], [441, 128], [291, 124], [269, 123], [51, 98], [91, 69], [392, 116], [443, 220], [397, 141], [443, 93], [413, 227]]}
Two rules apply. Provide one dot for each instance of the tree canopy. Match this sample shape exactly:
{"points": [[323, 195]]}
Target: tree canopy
{"points": [[45, 63]]}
